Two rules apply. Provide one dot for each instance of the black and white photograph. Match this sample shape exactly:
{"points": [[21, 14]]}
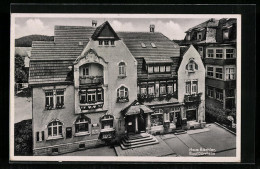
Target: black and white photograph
{"points": [[125, 87]]}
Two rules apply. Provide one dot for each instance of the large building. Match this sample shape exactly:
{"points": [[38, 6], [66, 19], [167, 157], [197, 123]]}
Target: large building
{"points": [[92, 85], [215, 40]]}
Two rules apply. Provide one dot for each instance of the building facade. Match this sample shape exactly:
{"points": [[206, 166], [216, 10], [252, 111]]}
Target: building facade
{"points": [[215, 40], [92, 85]]}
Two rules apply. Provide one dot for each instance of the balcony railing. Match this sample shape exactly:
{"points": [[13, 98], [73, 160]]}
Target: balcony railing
{"points": [[91, 106], [91, 79], [192, 98]]}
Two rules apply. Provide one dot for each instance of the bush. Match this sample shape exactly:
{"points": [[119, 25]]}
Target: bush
{"points": [[217, 115], [23, 138]]}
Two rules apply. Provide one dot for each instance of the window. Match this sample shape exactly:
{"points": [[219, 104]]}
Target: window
{"points": [[230, 92], [81, 124], [107, 121], [43, 136], [170, 89], [143, 90], [162, 68], [151, 90], [150, 69], [100, 94], [230, 53], [166, 117], [188, 89], [37, 136], [157, 118], [100, 42], [153, 45], [106, 42], [168, 68], [49, 99], [91, 95], [191, 66], [112, 42], [122, 71], [143, 45], [210, 91], [219, 72], [194, 87], [85, 71], [219, 94], [225, 34], [230, 73], [210, 53], [59, 98], [163, 89], [200, 50], [199, 36], [55, 129], [156, 69], [219, 53], [210, 71], [122, 92]]}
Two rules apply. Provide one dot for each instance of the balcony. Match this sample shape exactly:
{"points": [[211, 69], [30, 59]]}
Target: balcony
{"points": [[192, 98], [91, 105], [90, 80]]}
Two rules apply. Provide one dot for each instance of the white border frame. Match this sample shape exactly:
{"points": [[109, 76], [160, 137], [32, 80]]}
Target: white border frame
{"points": [[129, 158]]}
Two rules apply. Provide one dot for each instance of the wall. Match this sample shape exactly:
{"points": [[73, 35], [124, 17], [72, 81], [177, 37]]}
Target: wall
{"points": [[199, 75]]}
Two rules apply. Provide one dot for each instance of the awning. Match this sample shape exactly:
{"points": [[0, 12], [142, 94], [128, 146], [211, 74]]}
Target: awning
{"points": [[136, 108]]}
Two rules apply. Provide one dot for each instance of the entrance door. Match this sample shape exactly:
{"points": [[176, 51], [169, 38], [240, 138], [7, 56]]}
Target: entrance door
{"points": [[191, 115], [141, 123], [178, 117], [130, 123]]}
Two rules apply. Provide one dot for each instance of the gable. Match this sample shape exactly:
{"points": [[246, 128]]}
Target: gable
{"points": [[105, 31]]}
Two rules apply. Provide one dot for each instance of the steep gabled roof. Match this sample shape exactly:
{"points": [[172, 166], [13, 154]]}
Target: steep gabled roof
{"points": [[100, 28]]}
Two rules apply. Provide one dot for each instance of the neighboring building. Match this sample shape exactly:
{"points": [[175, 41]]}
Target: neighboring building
{"points": [[86, 83], [215, 40]]}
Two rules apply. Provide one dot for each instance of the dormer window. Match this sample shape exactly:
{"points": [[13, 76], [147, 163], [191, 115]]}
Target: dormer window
{"points": [[225, 34], [100, 42], [112, 42], [153, 45], [143, 45], [199, 36]]}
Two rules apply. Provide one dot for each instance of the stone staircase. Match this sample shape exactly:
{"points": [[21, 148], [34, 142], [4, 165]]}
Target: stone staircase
{"points": [[137, 140]]}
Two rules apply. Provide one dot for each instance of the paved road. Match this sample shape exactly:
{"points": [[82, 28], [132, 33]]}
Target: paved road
{"points": [[22, 108]]}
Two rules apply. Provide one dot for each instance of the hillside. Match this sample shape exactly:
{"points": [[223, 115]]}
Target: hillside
{"points": [[26, 41]]}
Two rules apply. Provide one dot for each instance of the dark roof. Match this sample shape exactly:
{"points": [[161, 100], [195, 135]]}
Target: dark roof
{"points": [[100, 28], [50, 59], [135, 108], [209, 23], [164, 46]]}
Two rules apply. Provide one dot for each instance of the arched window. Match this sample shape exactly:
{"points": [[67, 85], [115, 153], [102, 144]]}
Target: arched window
{"points": [[55, 129], [122, 92], [192, 66], [81, 124], [122, 70]]}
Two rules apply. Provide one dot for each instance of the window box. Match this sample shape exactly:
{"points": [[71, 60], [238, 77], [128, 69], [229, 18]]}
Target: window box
{"points": [[59, 106], [49, 107], [122, 99], [54, 137], [82, 134], [192, 98], [91, 105]]}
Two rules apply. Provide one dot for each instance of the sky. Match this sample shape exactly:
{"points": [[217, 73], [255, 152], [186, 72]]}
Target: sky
{"points": [[173, 28]]}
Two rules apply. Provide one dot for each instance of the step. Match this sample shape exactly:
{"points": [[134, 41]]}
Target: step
{"points": [[137, 136], [137, 140], [136, 143], [177, 132], [139, 145]]}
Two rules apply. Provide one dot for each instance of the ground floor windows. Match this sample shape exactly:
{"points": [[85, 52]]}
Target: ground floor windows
{"points": [[82, 124], [55, 129], [107, 121], [191, 115], [157, 118], [219, 94], [210, 91]]}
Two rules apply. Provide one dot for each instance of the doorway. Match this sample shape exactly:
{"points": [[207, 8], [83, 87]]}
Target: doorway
{"points": [[141, 123], [191, 115], [130, 124], [178, 117]]}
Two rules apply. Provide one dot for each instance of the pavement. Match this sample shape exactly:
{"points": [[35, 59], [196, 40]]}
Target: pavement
{"points": [[22, 108], [213, 140]]}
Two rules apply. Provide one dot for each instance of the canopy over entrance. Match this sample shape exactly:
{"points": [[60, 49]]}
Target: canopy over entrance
{"points": [[136, 108]]}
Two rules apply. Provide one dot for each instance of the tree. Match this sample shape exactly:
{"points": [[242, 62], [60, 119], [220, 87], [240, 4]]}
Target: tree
{"points": [[21, 75]]}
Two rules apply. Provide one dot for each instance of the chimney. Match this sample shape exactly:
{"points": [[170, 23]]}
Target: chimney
{"points": [[94, 23], [152, 28]]}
